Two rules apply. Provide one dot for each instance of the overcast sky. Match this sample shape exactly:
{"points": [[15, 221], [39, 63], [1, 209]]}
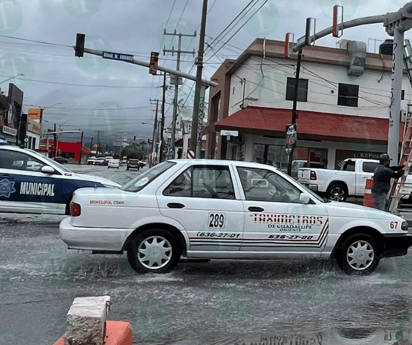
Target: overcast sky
{"points": [[95, 94]]}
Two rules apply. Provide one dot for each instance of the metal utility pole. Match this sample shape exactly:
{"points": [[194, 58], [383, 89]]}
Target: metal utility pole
{"points": [[81, 148], [396, 94], [98, 143], [196, 138], [162, 122], [55, 141], [294, 114], [176, 81], [154, 132]]}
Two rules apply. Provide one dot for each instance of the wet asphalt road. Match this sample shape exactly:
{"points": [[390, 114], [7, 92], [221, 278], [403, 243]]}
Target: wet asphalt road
{"points": [[219, 302]]}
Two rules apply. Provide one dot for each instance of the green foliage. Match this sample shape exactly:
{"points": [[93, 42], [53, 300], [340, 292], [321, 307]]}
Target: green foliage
{"points": [[132, 151]]}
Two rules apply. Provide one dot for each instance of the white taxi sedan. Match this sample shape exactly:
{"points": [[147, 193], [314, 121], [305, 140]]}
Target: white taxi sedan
{"points": [[227, 210]]}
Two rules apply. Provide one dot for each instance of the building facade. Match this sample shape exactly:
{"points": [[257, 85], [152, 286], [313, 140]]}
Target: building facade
{"points": [[343, 104]]}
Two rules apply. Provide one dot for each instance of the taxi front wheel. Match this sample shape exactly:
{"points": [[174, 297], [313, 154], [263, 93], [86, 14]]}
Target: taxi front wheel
{"points": [[359, 255], [155, 251]]}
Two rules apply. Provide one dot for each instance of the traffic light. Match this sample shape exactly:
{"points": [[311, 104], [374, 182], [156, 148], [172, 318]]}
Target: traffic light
{"points": [[154, 62], [22, 132], [79, 50]]}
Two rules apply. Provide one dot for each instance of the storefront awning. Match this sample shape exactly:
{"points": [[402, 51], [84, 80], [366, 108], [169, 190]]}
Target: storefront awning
{"points": [[310, 125]]}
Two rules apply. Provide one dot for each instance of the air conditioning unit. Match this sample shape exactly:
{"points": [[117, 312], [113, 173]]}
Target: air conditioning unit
{"points": [[405, 116]]}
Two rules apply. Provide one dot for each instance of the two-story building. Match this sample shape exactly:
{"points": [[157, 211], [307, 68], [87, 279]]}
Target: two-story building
{"points": [[343, 104]]}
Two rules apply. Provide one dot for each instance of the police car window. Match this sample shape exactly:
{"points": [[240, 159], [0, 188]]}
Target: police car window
{"points": [[203, 182], [19, 161], [369, 166], [266, 185], [54, 163]]}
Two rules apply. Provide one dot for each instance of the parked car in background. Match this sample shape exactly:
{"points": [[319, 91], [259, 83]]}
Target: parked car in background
{"points": [[113, 163], [133, 164], [33, 183], [107, 159], [61, 160], [91, 161], [350, 180], [99, 161]]}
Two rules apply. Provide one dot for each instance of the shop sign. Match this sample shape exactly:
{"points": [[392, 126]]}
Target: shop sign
{"points": [[9, 131]]}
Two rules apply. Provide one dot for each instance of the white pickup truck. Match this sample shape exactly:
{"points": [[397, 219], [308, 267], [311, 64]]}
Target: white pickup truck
{"points": [[349, 181]]}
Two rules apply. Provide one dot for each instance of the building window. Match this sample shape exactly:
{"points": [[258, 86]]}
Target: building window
{"points": [[302, 89], [348, 95]]}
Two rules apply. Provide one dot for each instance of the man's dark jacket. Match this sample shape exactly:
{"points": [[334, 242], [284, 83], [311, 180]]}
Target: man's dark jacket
{"points": [[382, 178]]}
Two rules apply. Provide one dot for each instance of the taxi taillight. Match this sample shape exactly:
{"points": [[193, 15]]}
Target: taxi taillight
{"points": [[313, 175], [75, 209]]}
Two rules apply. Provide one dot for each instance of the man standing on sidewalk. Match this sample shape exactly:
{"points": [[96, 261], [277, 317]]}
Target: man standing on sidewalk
{"points": [[382, 181]]}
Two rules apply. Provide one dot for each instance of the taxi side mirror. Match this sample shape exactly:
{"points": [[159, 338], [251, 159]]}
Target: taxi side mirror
{"points": [[47, 170], [304, 199]]}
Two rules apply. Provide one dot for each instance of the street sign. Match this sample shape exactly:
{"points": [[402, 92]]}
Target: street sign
{"points": [[190, 154], [300, 43], [118, 56], [171, 152], [229, 133], [9, 131]]}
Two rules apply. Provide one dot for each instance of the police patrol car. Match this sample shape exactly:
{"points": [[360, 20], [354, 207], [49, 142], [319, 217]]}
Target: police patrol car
{"points": [[32, 183], [227, 210]]}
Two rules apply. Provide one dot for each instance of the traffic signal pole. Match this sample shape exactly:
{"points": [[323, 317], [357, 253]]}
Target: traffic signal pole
{"points": [[135, 61], [294, 113], [395, 23]]}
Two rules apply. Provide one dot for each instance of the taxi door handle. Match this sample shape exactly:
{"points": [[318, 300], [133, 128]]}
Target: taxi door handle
{"points": [[255, 209], [175, 205]]}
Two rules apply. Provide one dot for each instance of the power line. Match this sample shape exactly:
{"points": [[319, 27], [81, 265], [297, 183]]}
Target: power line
{"points": [[217, 38]]}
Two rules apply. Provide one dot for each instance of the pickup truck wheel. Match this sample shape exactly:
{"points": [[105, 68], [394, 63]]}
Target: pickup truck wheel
{"points": [[337, 192], [155, 251], [359, 255]]}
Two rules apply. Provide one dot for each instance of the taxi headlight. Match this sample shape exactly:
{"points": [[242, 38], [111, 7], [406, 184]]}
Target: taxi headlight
{"points": [[405, 225]]}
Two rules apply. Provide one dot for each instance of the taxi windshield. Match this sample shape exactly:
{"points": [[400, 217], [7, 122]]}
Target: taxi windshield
{"points": [[139, 182]]}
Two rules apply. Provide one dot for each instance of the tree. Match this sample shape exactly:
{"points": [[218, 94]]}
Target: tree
{"points": [[132, 151]]}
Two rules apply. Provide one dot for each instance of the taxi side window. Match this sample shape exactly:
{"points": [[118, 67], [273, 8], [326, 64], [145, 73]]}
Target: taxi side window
{"points": [[266, 185], [19, 161], [203, 182]]}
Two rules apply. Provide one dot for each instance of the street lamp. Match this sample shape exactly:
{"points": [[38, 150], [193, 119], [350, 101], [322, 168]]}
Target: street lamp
{"points": [[12, 77], [50, 106]]}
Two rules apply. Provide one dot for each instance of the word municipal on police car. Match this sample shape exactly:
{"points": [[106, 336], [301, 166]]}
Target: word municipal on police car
{"points": [[30, 188]]}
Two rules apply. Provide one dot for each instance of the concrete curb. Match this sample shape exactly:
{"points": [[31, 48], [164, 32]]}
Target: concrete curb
{"points": [[117, 333], [20, 218], [87, 325]]}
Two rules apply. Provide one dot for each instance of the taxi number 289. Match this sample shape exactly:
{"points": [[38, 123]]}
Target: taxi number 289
{"points": [[216, 220]]}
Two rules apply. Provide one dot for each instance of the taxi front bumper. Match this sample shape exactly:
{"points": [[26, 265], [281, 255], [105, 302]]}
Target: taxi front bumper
{"points": [[396, 245]]}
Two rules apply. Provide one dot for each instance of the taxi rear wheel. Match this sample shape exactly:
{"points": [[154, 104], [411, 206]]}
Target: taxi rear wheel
{"points": [[155, 251], [359, 254]]}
